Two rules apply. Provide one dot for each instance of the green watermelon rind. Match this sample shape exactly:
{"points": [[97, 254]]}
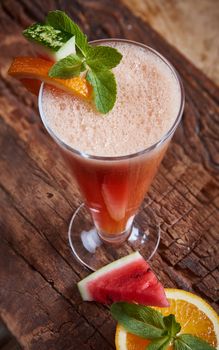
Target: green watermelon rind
{"points": [[67, 49], [83, 284], [46, 36], [52, 42]]}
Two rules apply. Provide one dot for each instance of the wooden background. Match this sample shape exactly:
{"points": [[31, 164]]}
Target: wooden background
{"points": [[192, 26], [39, 301]]}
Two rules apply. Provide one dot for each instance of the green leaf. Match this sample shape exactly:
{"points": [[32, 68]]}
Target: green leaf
{"points": [[190, 342], [159, 344], [103, 57], [47, 36], [67, 67], [150, 315], [60, 20], [128, 316], [104, 89], [171, 324], [145, 314]]}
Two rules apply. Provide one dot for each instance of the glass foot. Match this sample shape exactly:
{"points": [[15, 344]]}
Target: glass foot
{"points": [[92, 252]]}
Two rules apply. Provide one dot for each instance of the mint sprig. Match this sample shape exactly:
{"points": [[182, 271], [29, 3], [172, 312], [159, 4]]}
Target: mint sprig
{"points": [[59, 20], [104, 89], [159, 344], [95, 61], [138, 320], [190, 342], [68, 67], [171, 325], [102, 57], [148, 323]]}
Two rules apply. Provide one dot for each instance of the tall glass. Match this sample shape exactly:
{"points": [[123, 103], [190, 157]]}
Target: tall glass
{"points": [[113, 189]]}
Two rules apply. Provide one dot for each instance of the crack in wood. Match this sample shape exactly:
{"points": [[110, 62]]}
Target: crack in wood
{"points": [[31, 266], [37, 269]]}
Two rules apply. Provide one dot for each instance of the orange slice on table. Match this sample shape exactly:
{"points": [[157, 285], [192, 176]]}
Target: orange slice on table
{"points": [[32, 70], [192, 312]]}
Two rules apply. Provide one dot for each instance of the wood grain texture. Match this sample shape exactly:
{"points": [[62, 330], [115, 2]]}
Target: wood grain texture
{"points": [[39, 300], [191, 26]]}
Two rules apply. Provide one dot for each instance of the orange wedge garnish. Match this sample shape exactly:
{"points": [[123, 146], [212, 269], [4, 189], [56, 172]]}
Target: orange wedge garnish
{"points": [[31, 70]]}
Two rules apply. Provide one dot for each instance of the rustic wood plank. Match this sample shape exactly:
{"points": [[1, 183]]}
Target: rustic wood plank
{"points": [[38, 194], [190, 27], [48, 319]]}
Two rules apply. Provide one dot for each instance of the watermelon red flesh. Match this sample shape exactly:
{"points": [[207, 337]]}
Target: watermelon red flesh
{"points": [[115, 195], [132, 281]]}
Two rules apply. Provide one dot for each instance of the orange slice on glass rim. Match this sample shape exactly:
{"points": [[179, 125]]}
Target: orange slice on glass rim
{"points": [[32, 70], [192, 312]]}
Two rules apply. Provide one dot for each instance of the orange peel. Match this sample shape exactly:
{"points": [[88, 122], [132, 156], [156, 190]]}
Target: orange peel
{"points": [[31, 70]]}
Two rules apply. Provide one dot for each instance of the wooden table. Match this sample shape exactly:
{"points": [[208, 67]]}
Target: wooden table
{"points": [[39, 301], [190, 26]]}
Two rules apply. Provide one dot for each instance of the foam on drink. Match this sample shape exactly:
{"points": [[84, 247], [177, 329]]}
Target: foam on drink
{"points": [[148, 101]]}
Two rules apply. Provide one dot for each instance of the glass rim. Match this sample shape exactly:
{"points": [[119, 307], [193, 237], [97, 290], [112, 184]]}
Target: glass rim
{"points": [[131, 155]]}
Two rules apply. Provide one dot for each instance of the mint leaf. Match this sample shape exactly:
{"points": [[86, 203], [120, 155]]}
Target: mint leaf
{"points": [[190, 342], [134, 323], [104, 89], [47, 36], [148, 314], [103, 57], [171, 324], [60, 20], [145, 314], [159, 344], [67, 67]]}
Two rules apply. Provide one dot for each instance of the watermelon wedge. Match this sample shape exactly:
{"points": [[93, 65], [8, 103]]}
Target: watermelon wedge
{"points": [[127, 279], [115, 194], [49, 42]]}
